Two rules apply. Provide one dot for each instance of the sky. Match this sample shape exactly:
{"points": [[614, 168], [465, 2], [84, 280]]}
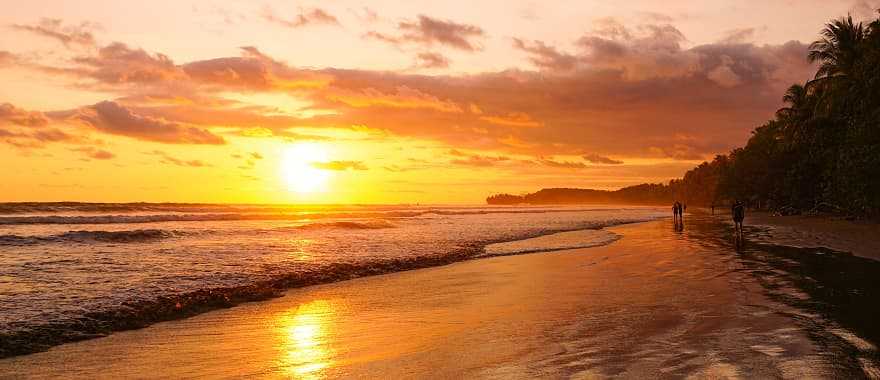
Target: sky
{"points": [[384, 101]]}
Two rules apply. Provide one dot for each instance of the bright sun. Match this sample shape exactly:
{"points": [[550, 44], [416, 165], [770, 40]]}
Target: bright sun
{"points": [[297, 169]]}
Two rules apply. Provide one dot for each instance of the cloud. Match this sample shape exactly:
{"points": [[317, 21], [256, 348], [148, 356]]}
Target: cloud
{"points": [[35, 138], [429, 31], [168, 159], [256, 156], [431, 61], [597, 159], [29, 129], [117, 63], [10, 114], [7, 58], [513, 119], [739, 36], [95, 153], [120, 67], [403, 97], [546, 57], [718, 92], [110, 117], [281, 132], [67, 35], [631, 87], [254, 71], [339, 165], [562, 164], [678, 152], [306, 17], [475, 159]]}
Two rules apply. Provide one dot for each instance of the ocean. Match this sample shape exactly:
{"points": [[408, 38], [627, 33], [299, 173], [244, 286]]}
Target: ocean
{"points": [[72, 271]]}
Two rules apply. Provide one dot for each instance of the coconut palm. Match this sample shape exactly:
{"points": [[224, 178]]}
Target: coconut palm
{"points": [[796, 98], [837, 51]]}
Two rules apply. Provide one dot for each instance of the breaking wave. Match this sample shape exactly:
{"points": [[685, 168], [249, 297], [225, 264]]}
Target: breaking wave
{"points": [[156, 218], [134, 236], [350, 225]]}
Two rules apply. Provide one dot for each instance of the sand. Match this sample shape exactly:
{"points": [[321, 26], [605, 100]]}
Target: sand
{"points": [[656, 303], [860, 238]]}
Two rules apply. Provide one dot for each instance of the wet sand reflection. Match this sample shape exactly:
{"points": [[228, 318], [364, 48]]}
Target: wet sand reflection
{"points": [[304, 332]]}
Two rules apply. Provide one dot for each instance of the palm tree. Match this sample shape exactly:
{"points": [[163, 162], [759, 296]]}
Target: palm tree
{"points": [[838, 50], [796, 97]]}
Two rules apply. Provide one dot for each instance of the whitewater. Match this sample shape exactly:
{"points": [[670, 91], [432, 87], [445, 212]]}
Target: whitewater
{"points": [[72, 271]]}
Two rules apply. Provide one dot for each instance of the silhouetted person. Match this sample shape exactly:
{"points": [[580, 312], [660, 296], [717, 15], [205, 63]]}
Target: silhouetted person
{"points": [[676, 211], [738, 211]]}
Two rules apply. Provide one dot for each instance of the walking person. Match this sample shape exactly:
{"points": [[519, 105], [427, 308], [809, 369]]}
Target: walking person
{"points": [[738, 211], [676, 211]]}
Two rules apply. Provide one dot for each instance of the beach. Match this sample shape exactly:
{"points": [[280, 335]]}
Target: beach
{"points": [[657, 302], [821, 231]]}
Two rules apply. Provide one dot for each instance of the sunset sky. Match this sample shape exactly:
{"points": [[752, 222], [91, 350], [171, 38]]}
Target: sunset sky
{"points": [[384, 101]]}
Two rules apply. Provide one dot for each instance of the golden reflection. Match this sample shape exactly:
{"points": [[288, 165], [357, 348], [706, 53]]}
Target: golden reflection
{"points": [[300, 249], [304, 340]]}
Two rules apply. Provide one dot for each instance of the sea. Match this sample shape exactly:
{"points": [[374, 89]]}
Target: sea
{"points": [[73, 271]]}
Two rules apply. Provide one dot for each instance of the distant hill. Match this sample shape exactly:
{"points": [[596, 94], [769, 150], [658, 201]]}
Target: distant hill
{"points": [[640, 194]]}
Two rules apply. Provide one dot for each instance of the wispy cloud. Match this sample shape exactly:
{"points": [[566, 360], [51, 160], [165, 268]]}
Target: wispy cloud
{"points": [[428, 31], [340, 165], [306, 17], [66, 34]]}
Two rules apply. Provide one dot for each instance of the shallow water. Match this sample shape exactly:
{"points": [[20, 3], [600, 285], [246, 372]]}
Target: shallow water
{"points": [[660, 302], [75, 271]]}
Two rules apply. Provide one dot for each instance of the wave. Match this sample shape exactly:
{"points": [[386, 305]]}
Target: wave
{"points": [[150, 235], [139, 314], [202, 217], [134, 236], [39, 336], [350, 225], [553, 242], [13, 208]]}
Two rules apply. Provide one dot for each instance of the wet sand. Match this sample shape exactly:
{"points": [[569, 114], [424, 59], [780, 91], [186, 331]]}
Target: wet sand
{"points": [[659, 302], [861, 238]]}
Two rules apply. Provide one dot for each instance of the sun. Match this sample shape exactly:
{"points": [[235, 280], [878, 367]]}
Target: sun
{"points": [[297, 169]]}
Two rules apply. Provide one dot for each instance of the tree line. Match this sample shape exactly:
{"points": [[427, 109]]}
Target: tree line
{"points": [[820, 152]]}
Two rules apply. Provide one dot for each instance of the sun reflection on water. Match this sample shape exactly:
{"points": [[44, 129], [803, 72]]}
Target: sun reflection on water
{"points": [[304, 333]]}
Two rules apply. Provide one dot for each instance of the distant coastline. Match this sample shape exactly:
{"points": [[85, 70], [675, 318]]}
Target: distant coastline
{"points": [[645, 194]]}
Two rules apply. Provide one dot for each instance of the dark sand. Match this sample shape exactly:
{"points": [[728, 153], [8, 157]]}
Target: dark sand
{"points": [[658, 303], [860, 238]]}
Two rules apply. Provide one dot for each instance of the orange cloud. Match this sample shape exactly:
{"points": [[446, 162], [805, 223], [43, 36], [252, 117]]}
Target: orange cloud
{"points": [[95, 153], [110, 117], [598, 159], [513, 119], [340, 165], [630, 88], [10, 114], [404, 97], [168, 159]]}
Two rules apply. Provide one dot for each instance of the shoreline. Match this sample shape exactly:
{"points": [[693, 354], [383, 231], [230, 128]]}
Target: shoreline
{"points": [[524, 315], [142, 314]]}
